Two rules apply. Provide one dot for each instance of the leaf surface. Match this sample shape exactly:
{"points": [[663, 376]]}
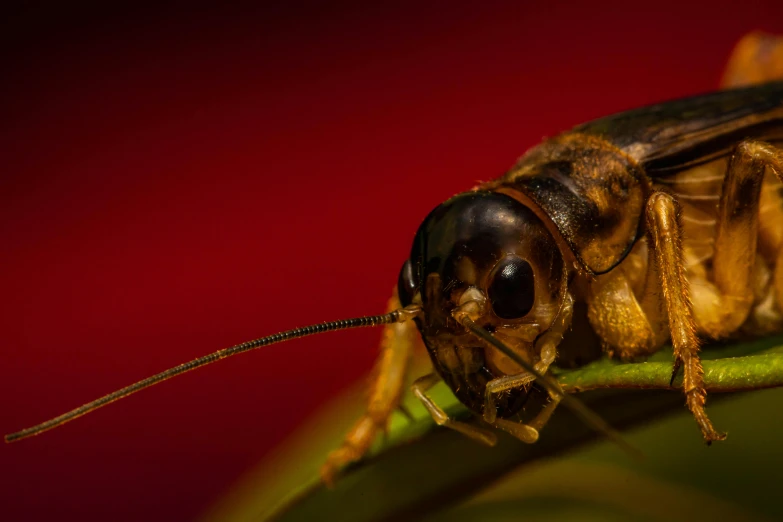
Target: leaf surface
{"points": [[422, 470]]}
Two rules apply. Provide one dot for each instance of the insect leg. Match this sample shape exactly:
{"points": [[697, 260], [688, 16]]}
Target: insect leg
{"points": [[523, 432], [528, 433], [665, 232], [546, 346], [385, 391], [628, 327], [499, 385], [421, 385], [724, 305]]}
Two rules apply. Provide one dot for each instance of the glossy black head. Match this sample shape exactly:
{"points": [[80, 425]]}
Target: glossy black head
{"points": [[489, 248]]}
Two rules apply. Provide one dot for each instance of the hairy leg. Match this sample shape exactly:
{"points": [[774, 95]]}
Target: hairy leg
{"points": [[546, 347], [629, 326], [385, 392], [724, 303], [665, 232]]}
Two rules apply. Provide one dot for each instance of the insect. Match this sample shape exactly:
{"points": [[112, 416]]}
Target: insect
{"points": [[653, 225]]}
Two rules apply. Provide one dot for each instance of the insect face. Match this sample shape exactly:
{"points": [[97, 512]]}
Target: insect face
{"points": [[488, 253]]}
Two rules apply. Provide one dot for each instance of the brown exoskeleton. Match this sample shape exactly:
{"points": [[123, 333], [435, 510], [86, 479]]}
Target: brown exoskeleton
{"points": [[663, 222]]}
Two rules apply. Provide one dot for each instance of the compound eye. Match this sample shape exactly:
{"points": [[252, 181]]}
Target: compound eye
{"points": [[511, 289]]}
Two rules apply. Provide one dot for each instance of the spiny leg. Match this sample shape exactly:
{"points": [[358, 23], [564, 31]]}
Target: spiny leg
{"points": [[758, 58], [723, 305], [421, 385], [499, 385], [776, 166], [385, 392], [526, 432], [666, 234]]}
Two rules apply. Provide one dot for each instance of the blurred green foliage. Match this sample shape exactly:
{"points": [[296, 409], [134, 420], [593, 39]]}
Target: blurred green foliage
{"points": [[425, 472]]}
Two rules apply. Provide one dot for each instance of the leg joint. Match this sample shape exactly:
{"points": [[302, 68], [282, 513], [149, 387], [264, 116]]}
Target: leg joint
{"points": [[756, 150]]}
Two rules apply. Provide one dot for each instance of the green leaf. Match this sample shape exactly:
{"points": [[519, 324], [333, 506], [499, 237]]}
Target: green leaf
{"points": [[425, 470]]}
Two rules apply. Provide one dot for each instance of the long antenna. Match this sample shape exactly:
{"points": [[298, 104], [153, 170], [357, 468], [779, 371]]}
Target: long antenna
{"points": [[395, 316], [588, 416]]}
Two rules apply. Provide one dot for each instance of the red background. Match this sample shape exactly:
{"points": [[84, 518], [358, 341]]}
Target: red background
{"points": [[175, 181]]}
